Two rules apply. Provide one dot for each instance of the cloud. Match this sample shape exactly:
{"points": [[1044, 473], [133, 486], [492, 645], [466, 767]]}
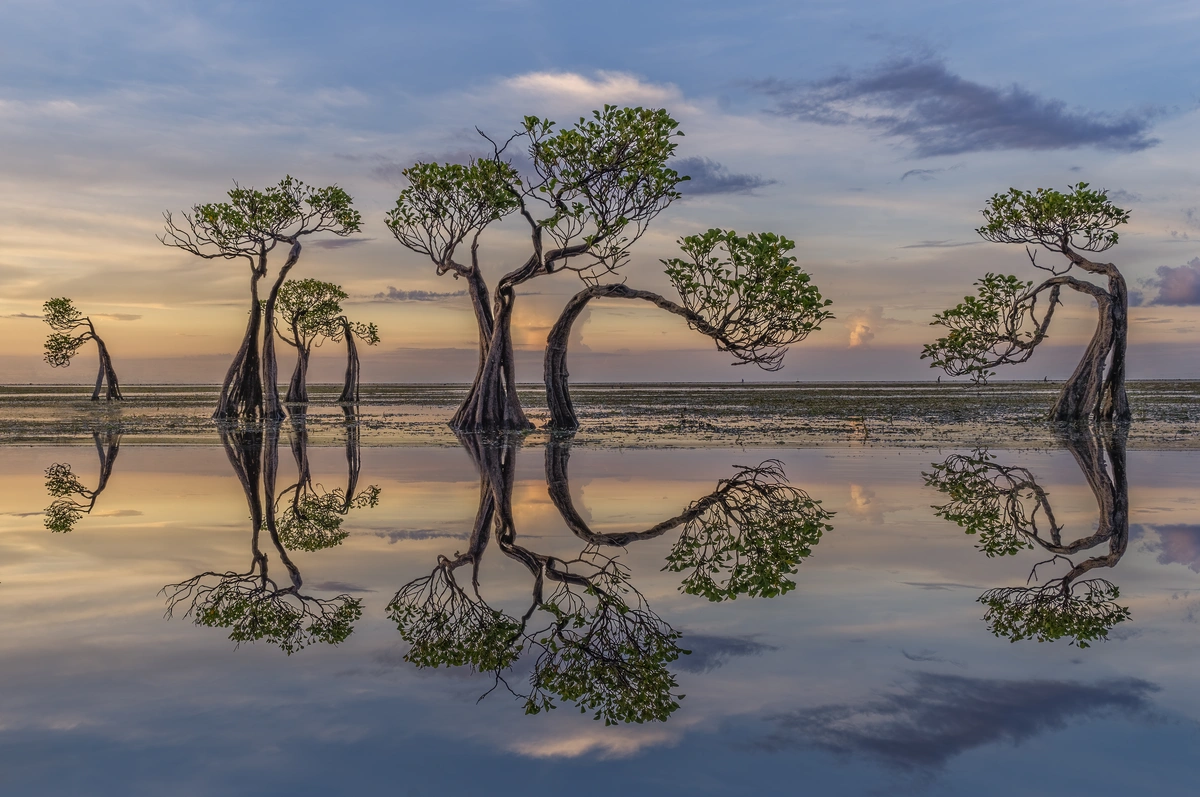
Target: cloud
{"points": [[925, 175], [930, 656], [394, 294], [1178, 544], [709, 653], [938, 585], [118, 316], [934, 718], [1177, 285], [937, 112], [709, 177], [338, 586], [939, 244], [22, 315], [1121, 195], [864, 325], [338, 243], [394, 537], [615, 88]]}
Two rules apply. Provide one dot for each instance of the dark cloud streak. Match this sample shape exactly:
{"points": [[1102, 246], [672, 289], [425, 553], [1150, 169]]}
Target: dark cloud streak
{"points": [[394, 294], [709, 177], [935, 718], [940, 113]]}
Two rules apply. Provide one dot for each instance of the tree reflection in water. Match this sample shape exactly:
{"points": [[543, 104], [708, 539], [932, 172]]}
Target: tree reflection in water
{"points": [[252, 604], [744, 538], [71, 499], [592, 638], [1011, 512], [312, 518]]}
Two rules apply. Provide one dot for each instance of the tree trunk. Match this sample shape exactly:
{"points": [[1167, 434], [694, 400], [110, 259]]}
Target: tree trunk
{"points": [[558, 393], [1096, 390], [241, 393], [492, 404], [353, 457], [298, 388], [350, 388], [105, 372], [272, 408], [1115, 407]]}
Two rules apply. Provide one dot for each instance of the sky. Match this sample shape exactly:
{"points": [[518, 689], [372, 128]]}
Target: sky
{"points": [[870, 133]]}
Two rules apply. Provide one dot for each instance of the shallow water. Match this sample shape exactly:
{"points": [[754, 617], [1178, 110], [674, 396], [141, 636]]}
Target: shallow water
{"points": [[876, 672]]}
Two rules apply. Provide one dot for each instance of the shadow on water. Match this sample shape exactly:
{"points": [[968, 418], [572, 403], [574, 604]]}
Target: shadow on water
{"points": [[587, 634], [1010, 512], [253, 604], [71, 500]]}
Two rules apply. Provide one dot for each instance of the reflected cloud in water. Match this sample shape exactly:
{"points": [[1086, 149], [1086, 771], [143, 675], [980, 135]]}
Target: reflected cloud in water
{"points": [[933, 718]]}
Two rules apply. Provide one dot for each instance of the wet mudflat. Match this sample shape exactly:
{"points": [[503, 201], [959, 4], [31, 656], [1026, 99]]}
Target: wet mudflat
{"points": [[1166, 414], [318, 608]]}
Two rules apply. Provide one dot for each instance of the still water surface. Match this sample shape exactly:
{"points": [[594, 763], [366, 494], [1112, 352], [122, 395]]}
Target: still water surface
{"points": [[213, 619]]}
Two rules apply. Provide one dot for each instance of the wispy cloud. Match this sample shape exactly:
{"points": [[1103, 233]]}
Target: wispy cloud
{"points": [[337, 243], [934, 718], [394, 294], [22, 315], [118, 316], [939, 244], [937, 112], [709, 177]]}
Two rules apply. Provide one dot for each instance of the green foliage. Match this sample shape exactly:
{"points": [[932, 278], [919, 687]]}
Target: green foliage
{"points": [[313, 522], [445, 625], [991, 501], [310, 308], [444, 203], [252, 221], [607, 657], [986, 330], [367, 333], [64, 512], [64, 343], [282, 618], [754, 531], [61, 314], [749, 291], [1081, 218], [604, 178], [1083, 611]]}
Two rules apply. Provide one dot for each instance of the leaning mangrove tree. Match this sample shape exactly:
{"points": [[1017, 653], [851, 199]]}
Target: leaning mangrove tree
{"points": [[1010, 317], [744, 292], [72, 329]]}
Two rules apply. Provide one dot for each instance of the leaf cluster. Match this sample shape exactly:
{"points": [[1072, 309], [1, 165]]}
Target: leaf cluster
{"points": [[252, 222], [311, 308], [1081, 218], [445, 625], [607, 657], [603, 180], [1000, 504], [753, 532], [1084, 611], [253, 609], [998, 326], [446, 202], [749, 292], [64, 512]]}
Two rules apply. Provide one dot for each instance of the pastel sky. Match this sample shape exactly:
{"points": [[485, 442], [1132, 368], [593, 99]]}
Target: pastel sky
{"points": [[870, 132]]}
